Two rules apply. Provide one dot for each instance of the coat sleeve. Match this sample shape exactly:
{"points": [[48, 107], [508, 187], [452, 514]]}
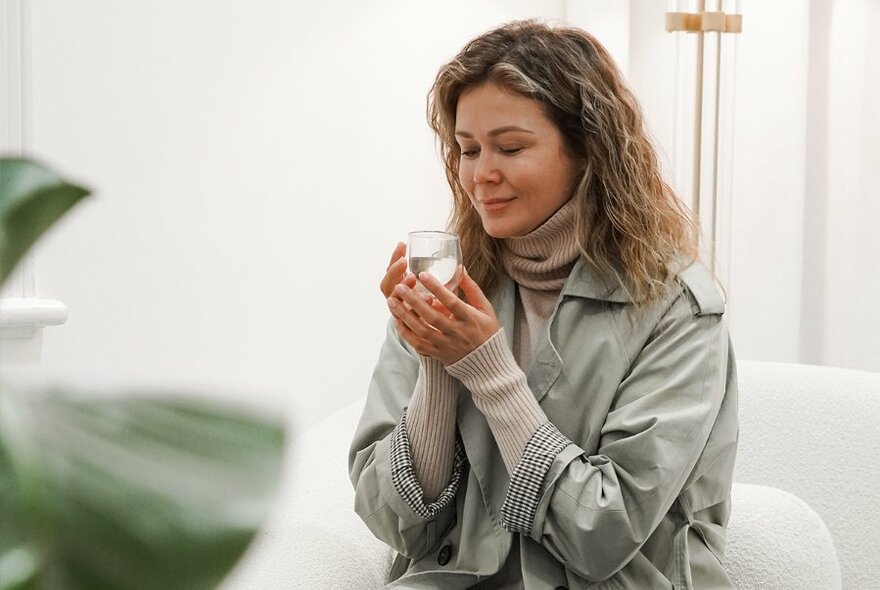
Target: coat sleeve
{"points": [[594, 512], [388, 496]]}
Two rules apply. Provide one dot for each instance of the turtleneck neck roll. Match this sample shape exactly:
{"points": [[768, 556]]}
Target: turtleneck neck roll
{"points": [[543, 258]]}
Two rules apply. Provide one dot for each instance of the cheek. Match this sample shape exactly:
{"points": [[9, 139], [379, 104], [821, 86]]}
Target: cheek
{"points": [[465, 177]]}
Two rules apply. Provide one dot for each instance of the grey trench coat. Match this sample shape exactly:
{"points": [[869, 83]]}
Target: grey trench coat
{"points": [[641, 496]]}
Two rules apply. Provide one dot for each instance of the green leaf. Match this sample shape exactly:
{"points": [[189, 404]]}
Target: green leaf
{"points": [[32, 198], [131, 491]]}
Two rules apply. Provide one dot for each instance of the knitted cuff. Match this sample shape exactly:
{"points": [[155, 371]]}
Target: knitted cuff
{"points": [[501, 392], [431, 426]]}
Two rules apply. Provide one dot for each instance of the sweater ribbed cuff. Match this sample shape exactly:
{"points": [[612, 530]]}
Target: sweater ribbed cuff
{"points": [[501, 392], [431, 426]]}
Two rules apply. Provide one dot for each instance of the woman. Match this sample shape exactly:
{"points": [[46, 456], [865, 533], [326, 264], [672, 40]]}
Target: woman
{"points": [[571, 418]]}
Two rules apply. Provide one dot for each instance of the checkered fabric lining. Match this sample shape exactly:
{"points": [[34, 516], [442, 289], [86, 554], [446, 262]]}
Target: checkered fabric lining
{"points": [[521, 503], [403, 474]]}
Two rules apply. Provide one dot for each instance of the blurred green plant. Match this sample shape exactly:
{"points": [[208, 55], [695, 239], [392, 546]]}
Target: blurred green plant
{"points": [[134, 490]]}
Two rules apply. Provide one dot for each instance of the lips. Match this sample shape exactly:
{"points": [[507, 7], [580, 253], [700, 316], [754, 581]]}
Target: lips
{"points": [[495, 204]]}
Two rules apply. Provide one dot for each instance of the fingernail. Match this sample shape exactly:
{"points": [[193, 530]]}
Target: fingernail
{"points": [[423, 276], [392, 302], [400, 289]]}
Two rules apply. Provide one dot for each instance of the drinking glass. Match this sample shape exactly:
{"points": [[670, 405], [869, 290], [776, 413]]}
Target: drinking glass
{"points": [[436, 252]]}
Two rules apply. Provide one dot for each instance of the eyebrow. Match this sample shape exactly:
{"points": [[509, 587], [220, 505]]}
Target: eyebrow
{"points": [[495, 132]]}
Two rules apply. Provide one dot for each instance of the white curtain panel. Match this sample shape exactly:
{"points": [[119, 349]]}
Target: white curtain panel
{"points": [[851, 308]]}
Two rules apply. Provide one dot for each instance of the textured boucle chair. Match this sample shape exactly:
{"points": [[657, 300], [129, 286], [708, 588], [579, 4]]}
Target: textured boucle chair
{"points": [[807, 479], [813, 431]]}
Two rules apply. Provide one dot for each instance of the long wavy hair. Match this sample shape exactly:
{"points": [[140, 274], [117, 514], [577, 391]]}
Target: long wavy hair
{"points": [[630, 223]]}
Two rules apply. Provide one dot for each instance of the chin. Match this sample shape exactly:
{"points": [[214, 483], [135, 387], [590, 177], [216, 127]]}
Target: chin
{"points": [[495, 229], [506, 225], [500, 231]]}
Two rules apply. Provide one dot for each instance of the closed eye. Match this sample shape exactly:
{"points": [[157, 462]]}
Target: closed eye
{"points": [[510, 151]]}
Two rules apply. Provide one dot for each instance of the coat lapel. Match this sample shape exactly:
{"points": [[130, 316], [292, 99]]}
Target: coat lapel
{"points": [[547, 364]]}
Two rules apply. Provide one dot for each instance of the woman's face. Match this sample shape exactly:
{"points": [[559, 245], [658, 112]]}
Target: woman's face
{"points": [[514, 165]]}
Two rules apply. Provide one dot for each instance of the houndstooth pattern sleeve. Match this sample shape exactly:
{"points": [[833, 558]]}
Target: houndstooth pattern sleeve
{"points": [[521, 503], [403, 475]]}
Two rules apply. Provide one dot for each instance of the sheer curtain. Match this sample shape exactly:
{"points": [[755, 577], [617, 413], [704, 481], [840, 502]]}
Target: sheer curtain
{"points": [[841, 311]]}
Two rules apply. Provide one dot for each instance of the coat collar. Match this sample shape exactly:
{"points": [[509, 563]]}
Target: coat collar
{"points": [[583, 281]]}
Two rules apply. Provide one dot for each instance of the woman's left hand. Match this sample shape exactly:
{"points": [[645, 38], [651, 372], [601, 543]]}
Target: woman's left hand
{"points": [[448, 331]]}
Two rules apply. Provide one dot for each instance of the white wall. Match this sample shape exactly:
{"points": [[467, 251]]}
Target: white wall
{"points": [[255, 162]]}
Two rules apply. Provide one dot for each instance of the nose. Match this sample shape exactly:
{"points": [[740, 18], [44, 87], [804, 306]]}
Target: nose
{"points": [[486, 169]]}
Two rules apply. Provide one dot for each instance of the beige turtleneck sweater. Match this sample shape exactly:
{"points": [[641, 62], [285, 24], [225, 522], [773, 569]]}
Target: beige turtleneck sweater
{"points": [[539, 263]]}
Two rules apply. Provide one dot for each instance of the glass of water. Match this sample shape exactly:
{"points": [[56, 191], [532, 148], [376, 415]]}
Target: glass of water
{"points": [[436, 252]]}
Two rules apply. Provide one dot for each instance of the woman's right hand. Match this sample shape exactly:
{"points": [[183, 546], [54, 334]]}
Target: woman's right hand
{"points": [[395, 275], [395, 272]]}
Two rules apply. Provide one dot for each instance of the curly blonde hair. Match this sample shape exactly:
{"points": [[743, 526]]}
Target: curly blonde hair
{"points": [[630, 223]]}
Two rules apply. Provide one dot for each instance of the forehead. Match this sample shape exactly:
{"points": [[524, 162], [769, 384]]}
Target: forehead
{"points": [[489, 106]]}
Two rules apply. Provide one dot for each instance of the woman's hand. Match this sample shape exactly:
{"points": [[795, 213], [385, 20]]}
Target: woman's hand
{"points": [[395, 272], [395, 275], [446, 328]]}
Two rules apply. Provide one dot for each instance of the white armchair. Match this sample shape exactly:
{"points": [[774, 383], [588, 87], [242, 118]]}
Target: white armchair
{"points": [[813, 432], [808, 457]]}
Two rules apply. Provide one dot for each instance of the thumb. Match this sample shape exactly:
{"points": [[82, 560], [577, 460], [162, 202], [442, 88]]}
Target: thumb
{"points": [[473, 294]]}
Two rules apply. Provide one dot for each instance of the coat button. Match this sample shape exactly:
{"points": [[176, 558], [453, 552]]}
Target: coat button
{"points": [[444, 555]]}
